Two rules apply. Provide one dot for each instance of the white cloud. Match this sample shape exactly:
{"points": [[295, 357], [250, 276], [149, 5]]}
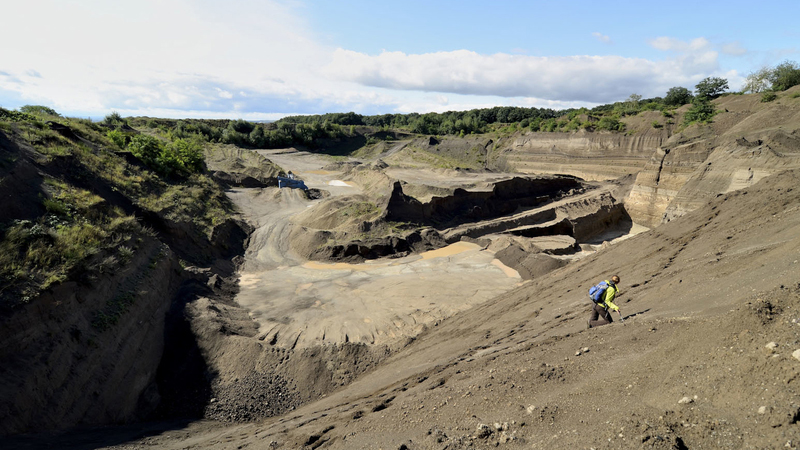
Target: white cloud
{"points": [[734, 49], [672, 44], [224, 94], [93, 54], [595, 79], [602, 37], [178, 58]]}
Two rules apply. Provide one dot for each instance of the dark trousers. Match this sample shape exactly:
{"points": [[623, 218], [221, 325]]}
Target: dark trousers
{"points": [[600, 316]]}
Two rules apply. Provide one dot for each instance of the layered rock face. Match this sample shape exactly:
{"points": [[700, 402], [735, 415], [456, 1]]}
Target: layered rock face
{"points": [[675, 173], [589, 155], [748, 141]]}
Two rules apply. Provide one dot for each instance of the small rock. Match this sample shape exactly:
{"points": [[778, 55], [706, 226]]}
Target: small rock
{"points": [[530, 409], [771, 346], [796, 354], [483, 431], [762, 410], [585, 349], [685, 400], [214, 281], [578, 353]]}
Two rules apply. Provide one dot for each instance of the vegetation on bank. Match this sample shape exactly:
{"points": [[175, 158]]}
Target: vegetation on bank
{"points": [[773, 79], [90, 197], [508, 118], [182, 138]]}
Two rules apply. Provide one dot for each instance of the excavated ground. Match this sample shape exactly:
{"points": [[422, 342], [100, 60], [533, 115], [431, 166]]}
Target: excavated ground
{"points": [[708, 356], [301, 304]]}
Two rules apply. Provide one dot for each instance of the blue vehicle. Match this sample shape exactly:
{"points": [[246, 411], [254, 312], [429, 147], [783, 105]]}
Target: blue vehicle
{"points": [[290, 181]]}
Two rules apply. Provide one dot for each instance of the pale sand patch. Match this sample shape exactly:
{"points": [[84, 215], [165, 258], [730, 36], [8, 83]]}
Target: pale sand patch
{"points": [[511, 273], [339, 183], [373, 303], [450, 250], [248, 279], [315, 265]]}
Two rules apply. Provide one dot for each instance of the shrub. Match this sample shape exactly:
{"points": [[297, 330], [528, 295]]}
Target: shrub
{"points": [[610, 123], [656, 124], [186, 154], [16, 116], [118, 138], [114, 119], [146, 148], [768, 97], [39, 110], [701, 111]]}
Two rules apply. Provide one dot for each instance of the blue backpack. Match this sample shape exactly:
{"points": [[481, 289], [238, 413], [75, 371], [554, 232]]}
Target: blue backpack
{"points": [[597, 292]]}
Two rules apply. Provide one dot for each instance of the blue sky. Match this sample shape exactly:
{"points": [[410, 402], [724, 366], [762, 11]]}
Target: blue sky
{"points": [[263, 59]]}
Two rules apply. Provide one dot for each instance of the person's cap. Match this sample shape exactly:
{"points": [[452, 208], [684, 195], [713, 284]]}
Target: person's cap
{"points": [[615, 279]]}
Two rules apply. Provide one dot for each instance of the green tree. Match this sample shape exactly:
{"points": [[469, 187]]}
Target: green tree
{"points": [[677, 96], [711, 87], [39, 110], [785, 75], [257, 138]]}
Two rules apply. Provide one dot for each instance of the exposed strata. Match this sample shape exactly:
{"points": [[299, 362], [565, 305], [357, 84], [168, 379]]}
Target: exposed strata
{"points": [[589, 155]]}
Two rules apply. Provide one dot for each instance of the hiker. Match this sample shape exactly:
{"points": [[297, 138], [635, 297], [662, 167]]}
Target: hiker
{"points": [[600, 309]]}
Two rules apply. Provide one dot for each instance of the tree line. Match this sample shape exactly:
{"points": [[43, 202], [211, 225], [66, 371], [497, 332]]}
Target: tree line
{"points": [[311, 130]]}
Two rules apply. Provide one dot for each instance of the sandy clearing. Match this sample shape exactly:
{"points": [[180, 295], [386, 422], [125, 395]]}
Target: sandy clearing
{"points": [[299, 303], [339, 183], [375, 303]]}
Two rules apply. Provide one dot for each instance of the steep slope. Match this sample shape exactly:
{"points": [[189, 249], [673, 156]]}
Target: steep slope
{"points": [[98, 257], [747, 141], [703, 296]]}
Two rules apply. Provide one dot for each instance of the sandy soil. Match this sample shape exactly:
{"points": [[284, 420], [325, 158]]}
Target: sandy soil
{"points": [[703, 360], [300, 304], [708, 355]]}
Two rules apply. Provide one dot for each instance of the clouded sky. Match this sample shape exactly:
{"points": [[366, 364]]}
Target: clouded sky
{"points": [[263, 59]]}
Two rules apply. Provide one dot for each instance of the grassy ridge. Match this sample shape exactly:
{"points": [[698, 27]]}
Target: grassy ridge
{"points": [[86, 215]]}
